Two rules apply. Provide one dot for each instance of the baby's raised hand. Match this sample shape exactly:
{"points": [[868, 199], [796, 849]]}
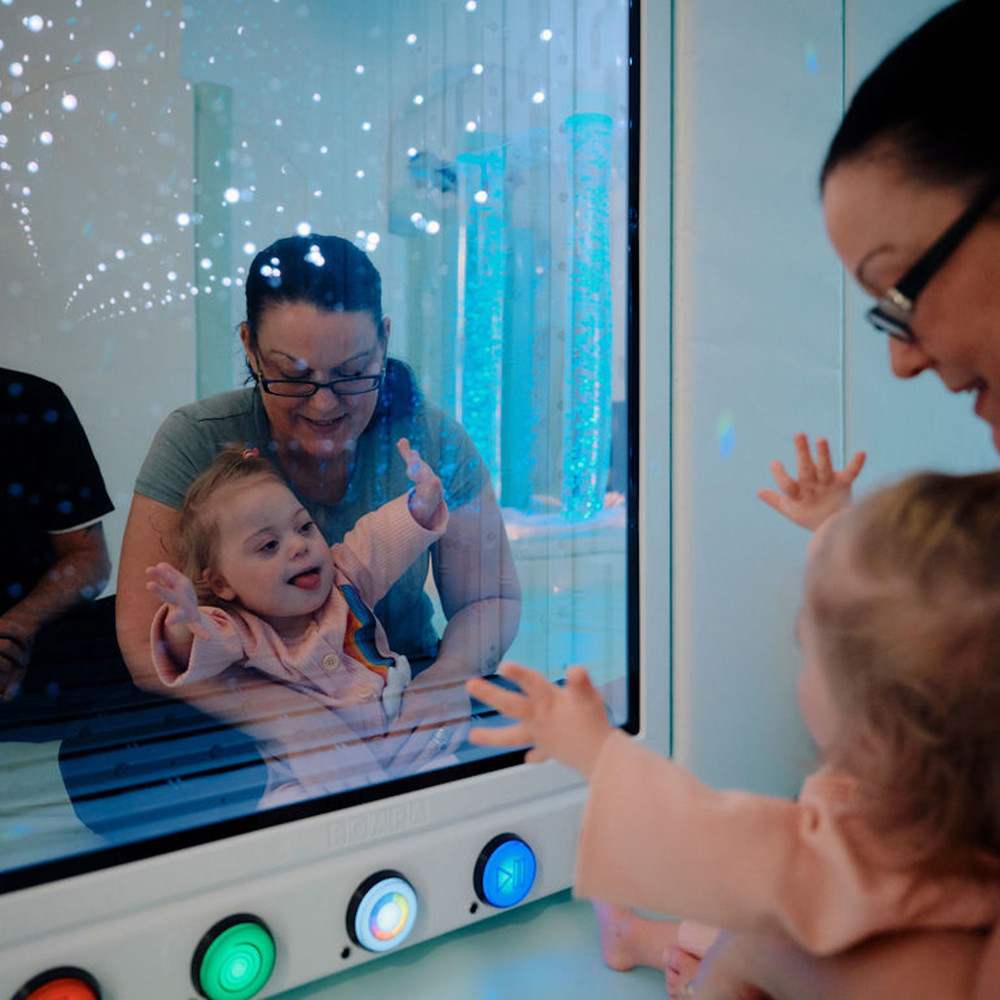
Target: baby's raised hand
{"points": [[819, 491], [176, 591], [569, 723], [427, 494]]}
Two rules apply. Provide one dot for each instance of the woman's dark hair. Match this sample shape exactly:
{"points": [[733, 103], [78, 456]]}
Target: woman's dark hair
{"points": [[328, 272], [930, 101]]}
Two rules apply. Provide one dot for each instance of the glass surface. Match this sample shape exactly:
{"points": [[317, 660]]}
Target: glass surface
{"points": [[478, 151]]}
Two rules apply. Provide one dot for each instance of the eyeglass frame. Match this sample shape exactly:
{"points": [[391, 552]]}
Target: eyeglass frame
{"points": [[265, 383], [891, 314]]}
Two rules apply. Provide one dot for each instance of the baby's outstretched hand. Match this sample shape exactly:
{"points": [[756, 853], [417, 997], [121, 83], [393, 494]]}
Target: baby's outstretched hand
{"points": [[569, 723], [427, 494], [176, 591], [819, 491]]}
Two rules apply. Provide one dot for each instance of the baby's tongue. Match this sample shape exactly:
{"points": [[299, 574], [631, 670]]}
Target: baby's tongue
{"points": [[307, 580]]}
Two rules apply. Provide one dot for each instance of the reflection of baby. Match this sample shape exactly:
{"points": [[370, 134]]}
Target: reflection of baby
{"points": [[289, 606]]}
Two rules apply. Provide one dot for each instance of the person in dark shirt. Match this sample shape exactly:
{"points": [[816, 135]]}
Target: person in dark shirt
{"points": [[52, 501]]}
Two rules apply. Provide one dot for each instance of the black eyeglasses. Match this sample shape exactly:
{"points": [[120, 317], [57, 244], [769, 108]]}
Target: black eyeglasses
{"points": [[891, 314], [350, 385]]}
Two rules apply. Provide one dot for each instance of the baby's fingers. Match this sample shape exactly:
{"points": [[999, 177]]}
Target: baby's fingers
{"points": [[508, 736], [410, 456], [531, 682], [504, 701], [854, 466], [803, 456], [784, 481]]}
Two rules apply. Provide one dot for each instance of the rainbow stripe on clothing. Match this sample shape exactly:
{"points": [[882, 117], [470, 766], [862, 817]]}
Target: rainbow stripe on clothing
{"points": [[359, 636]]}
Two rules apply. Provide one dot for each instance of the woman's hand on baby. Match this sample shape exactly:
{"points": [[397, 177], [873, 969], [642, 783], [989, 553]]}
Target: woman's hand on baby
{"points": [[818, 491], [568, 723], [176, 591], [427, 493]]}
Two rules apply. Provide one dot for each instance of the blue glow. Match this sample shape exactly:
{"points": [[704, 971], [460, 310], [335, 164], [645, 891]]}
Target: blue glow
{"points": [[726, 435], [589, 331], [509, 873], [483, 269]]}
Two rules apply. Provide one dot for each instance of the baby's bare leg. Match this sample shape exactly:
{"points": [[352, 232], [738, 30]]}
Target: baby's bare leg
{"points": [[628, 939]]}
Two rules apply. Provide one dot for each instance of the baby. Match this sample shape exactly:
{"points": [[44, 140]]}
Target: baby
{"points": [[900, 689], [261, 590]]}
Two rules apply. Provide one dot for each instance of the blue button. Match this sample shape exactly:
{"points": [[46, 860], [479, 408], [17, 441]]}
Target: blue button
{"points": [[505, 871]]}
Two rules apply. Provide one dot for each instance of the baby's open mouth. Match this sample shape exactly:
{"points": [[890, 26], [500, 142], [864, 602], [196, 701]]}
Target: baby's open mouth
{"points": [[308, 579]]}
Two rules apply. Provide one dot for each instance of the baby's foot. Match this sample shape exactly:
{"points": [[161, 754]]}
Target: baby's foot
{"points": [[628, 940], [682, 967]]}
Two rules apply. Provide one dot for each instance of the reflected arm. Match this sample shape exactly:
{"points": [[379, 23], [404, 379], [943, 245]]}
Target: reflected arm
{"points": [[79, 573], [480, 592]]}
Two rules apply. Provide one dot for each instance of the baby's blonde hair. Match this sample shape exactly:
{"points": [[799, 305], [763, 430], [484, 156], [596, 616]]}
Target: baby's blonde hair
{"points": [[912, 655], [197, 535]]}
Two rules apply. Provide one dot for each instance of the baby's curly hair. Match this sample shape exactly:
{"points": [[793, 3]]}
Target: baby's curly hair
{"points": [[197, 533], [911, 650]]}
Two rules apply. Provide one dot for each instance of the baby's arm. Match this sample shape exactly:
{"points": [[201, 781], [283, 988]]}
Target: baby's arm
{"points": [[819, 491], [184, 619], [568, 723], [426, 494]]}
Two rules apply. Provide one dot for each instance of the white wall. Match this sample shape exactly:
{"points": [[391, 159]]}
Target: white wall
{"points": [[768, 341]]}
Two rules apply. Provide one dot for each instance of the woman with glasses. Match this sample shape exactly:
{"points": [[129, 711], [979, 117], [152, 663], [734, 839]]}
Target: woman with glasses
{"points": [[326, 409], [911, 198]]}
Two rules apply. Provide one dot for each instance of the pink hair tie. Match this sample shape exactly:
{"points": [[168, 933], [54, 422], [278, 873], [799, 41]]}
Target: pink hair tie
{"points": [[251, 453]]}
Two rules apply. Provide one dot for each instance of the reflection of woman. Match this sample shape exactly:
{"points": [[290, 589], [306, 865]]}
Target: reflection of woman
{"points": [[327, 410], [910, 191]]}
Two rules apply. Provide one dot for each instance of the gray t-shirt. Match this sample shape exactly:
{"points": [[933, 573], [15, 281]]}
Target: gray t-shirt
{"points": [[191, 436]]}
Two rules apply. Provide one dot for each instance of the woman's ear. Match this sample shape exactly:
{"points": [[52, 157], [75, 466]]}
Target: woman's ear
{"points": [[245, 340], [219, 584]]}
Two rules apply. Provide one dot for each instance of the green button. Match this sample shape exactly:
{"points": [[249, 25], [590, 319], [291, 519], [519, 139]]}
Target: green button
{"points": [[238, 963]]}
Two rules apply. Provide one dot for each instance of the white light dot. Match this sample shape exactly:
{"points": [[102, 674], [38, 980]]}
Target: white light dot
{"points": [[470, 5], [206, 263], [119, 254], [171, 275], [538, 97], [183, 219], [545, 34], [470, 126], [232, 195], [303, 229], [106, 59], [366, 126], [477, 68], [411, 152], [418, 98], [249, 248], [359, 69], [32, 167], [411, 39], [16, 69], [146, 239], [69, 102], [480, 197], [433, 227], [34, 22], [317, 98], [324, 150], [45, 138], [359, 174]]}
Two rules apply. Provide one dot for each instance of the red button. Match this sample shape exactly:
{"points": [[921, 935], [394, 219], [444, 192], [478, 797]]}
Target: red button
{"points": [[63, 989]]}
